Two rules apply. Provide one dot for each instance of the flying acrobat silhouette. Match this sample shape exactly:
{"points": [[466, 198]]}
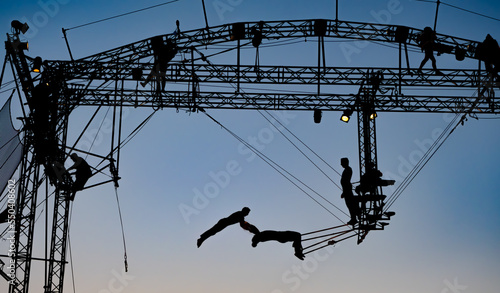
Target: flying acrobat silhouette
{"points": [[236, 217]]}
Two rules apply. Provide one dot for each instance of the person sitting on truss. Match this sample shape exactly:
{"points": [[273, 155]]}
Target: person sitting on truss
{"points": [[236, 217], [82, 174], [371, 180], [281, 236]]}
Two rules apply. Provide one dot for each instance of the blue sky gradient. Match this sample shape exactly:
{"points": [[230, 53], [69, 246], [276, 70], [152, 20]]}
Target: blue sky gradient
{"points": [[444, 237]]}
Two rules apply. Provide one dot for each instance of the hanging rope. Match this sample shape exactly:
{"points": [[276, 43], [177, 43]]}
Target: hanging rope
{"points": [[123, 232], [128, 138]]}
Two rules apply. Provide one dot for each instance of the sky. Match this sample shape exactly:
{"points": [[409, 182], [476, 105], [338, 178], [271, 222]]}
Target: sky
{"points": [[445, 235]]}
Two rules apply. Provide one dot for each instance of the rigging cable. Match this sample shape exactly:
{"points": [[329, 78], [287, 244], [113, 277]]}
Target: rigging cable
{"points": [[135, 131], [463, 9], [303, 153], [421, 163], [123, 14], [98, 130], [70, 251], [306, 147], [427, 156], [330, 242], [264, 157], [276, 167]]}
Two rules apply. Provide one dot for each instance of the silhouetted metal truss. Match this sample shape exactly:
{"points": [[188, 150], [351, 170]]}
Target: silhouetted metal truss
{"points": [[272, 30], [87, 86], [108, 79], [119, 64]]}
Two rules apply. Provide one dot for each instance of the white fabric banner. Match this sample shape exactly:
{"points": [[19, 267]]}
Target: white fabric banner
{"points": [[10, 146]]}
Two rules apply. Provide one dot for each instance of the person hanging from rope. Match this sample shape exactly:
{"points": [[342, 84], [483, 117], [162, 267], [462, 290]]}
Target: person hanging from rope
{"points": [[427, 43], [282, 237], [82, 174], [347, 194], [236, 217]]}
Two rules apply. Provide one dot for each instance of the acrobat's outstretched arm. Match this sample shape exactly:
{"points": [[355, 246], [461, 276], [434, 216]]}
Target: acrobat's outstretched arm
{"points": [[249, 227]]}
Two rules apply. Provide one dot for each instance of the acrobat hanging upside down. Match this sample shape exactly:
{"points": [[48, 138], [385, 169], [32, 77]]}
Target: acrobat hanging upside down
{"points": [[281, 236]]}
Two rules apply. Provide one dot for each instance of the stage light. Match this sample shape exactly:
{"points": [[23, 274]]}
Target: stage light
{"points": [[346, 115], [18, 45], [373, 115], [19, 27], [257, 37], [237, 31], [459, 53], [37, 64], [401, 34], [317, 116], [320, 27]]}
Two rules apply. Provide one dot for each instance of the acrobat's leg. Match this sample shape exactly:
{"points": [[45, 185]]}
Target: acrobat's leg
{"points": [[298, 249], [221, 224]]}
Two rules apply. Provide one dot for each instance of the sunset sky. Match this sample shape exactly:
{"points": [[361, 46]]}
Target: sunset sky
{"points": [[444, 238]]}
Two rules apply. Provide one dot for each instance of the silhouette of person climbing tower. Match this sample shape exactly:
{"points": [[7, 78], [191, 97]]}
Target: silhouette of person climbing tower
{"points": [[236, 217], [82, 174]]}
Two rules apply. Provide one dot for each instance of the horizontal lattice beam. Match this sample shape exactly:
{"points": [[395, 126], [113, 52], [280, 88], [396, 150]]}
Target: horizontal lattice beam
{"points": [[284, 29]]}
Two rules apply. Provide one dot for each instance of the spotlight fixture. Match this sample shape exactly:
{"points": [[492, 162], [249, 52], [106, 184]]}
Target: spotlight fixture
{"points": [[401, 34], [317, 116], [37, 64], [237, 31], [19, 27], [346, 115], [373, 115], [459, 53], [18, 45], [257, 37]]}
